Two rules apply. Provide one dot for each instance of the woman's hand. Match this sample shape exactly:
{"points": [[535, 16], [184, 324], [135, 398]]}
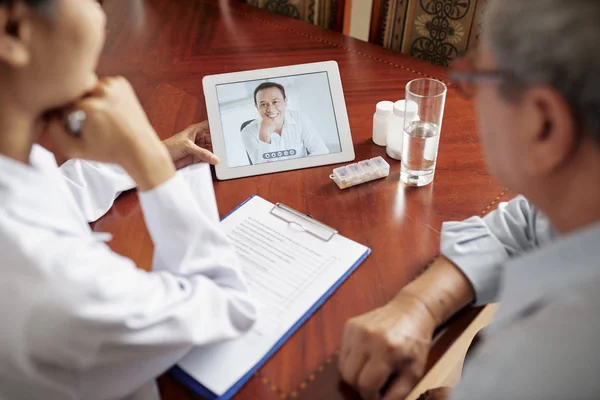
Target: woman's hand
{"points": [[191, 146], [116, 130]]}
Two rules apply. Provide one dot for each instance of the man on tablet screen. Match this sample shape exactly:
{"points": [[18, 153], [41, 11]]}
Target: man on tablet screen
{"points": [[279, 134]]}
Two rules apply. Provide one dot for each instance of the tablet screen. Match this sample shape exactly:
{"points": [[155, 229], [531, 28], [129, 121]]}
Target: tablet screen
{"points": [[277, 119]]}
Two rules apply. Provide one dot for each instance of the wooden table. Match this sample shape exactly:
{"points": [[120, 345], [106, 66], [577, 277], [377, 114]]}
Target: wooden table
{"points": [[165, 47]]}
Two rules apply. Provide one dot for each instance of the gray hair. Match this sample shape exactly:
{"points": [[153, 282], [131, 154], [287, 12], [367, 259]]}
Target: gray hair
{"points": [[554, 42]]}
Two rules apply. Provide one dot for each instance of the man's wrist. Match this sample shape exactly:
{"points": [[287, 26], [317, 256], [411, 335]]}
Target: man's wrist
{"points": [[265, 138], [442, 288], [419, 304]]}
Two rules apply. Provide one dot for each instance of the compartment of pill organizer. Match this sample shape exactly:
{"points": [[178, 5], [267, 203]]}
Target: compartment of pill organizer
{"points": [[348, 176], [356, 174], [381, 166], [369, 170], [364, 171], [341, 176]]}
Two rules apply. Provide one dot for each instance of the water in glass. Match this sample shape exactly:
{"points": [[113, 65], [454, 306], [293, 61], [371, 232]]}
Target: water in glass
{"points": [[419, 153]]}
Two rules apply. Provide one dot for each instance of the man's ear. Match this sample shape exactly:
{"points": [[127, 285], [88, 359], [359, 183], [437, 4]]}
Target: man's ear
{"points": [[13, 48], [550, 130]]}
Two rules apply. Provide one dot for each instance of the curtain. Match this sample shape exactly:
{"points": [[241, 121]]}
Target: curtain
{"points": [[327, 14], [432, 30]]}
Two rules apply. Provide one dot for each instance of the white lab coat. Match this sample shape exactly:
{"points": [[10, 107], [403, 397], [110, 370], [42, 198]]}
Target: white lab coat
{"points": [[78, 321]]}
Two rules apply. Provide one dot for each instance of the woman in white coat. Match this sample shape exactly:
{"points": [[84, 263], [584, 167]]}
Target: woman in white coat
{"points": [[78, 321]]}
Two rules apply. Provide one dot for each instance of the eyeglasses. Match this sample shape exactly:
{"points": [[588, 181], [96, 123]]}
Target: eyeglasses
{"points": [[466, 76]]}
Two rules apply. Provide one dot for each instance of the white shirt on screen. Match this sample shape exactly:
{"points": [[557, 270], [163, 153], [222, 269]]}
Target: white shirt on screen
{"points": [[82, 322], [299, 138]]}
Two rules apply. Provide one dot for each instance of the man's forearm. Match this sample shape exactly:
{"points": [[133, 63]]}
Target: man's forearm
{"points": [[442, 288]]}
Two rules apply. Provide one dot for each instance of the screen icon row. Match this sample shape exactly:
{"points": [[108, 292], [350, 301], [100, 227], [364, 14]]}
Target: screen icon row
{"points": [[277, 154]]}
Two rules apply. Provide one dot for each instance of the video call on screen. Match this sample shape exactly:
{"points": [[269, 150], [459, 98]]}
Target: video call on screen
{"points": [[278, 119]]}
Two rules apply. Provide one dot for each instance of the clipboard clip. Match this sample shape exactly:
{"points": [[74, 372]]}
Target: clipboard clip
{"points": [[304, 222]]}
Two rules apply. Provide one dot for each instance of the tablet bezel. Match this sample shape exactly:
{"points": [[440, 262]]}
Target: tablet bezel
{"points": [[224, 172]]}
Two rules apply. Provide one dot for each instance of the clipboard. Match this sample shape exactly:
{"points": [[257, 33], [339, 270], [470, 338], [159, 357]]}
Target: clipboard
{"points": [[303, 222], [297, 221]]}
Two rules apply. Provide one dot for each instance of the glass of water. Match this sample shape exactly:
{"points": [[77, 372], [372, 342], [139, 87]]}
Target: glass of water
{"points": [[422, 130]]}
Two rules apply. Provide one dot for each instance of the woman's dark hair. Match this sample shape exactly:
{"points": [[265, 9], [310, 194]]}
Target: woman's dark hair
{"points": [[266, 85], [31, 3], [12, 28]]}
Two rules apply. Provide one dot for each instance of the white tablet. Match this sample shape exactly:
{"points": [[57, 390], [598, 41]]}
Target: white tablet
{"points": [[278, 119]]}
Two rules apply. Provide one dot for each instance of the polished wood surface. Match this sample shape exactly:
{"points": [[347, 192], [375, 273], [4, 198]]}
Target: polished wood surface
{"points": [[165, 47]]}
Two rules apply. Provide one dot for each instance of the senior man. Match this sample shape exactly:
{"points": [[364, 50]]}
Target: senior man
{"points": [[536, 85]]}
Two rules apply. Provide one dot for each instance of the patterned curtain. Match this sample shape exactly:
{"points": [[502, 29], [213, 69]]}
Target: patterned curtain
{"points": [[432, 30], [322, 13]]}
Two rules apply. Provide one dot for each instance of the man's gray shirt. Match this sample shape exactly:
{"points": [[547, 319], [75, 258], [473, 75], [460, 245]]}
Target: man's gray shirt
{"points": [[543, 343]]}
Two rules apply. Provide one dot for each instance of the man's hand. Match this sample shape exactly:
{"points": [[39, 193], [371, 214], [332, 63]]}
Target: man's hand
{"points": [[442, 393], [267, 127], [390, 342], [191, 146], [388, 347]]}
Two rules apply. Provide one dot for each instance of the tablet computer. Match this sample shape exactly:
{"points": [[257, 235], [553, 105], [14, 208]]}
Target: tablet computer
{"points": [[278, 119]]}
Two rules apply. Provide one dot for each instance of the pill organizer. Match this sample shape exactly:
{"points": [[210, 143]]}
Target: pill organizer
{"points": [[361, 172]]}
